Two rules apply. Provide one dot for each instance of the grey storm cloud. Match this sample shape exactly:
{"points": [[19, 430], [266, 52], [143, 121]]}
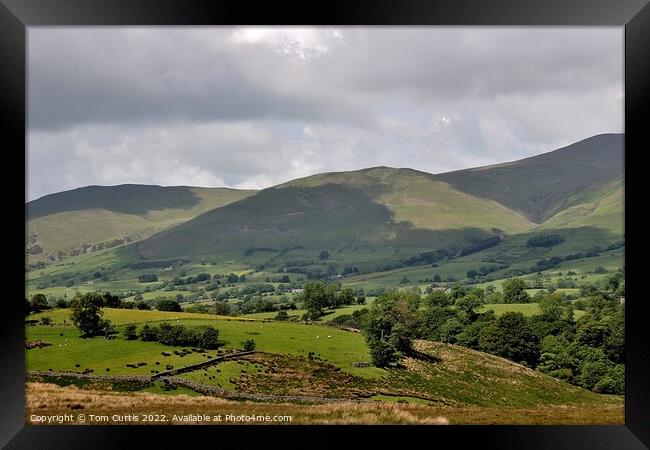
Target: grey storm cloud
{"points": [[251, 107]]}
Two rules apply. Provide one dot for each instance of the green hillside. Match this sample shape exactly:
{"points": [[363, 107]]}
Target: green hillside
{"points": [[600, 206], [377, 221], [91, 218], [440, 374], [372, 208], [539, 186]]}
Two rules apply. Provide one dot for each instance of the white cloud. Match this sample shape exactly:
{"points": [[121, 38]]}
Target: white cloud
{"points": [[303, 43]]}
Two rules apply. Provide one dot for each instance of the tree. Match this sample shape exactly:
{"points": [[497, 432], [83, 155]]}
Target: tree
{"points": [[450, 329], [142, 306], [468, 304], [149, 333], [130, 332], [382, 353], [438, 297], [39, 303], [167, 304], [432, 320], [249, 345], [282, 315], [210, 338], [346, 296], [315, 299], [323, 255], [471, 334], [514, 291], [394, 318], [472, 274], [510, 336], [86, 314], [111, 301], [222, 309]]}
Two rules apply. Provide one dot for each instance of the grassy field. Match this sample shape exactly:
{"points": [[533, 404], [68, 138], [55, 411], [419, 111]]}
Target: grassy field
{"points": [[339, 347], [329, 314], [527, 309]]}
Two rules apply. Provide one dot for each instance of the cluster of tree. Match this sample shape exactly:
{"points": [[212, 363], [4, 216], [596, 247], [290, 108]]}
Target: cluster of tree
{"points": [[426, 258], [148, 278], [588, 352], [168, 304], [37, 304], [176, 335], [180, 281], [317, 297], [545, 240], [483, 271]]}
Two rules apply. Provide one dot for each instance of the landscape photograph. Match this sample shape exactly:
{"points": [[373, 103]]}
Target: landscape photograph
{"points": [[325, 225]]}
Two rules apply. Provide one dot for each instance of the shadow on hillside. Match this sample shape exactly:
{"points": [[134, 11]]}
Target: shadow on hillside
{"points": [[424, 357], [127, 199]]}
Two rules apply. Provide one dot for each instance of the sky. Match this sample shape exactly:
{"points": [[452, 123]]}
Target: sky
{"points": [[251, 107]]}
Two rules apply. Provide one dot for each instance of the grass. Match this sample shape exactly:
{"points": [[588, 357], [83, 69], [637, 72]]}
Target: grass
{"points": [[49, 399], [329, 314], [339, 347], [62, 220], [125, 316], [223, 374]]}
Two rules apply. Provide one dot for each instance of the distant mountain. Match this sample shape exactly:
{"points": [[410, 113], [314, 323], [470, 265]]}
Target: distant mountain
{"points": [[371, 208], [95, 217], [384, 207], [540, 186], [373, 213]]}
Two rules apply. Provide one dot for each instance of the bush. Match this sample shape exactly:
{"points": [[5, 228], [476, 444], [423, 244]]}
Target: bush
{"points": [[149, 333], [46, 321], [130, 332], [248, 345], [282, 315], [167, 304], [210, 338]]}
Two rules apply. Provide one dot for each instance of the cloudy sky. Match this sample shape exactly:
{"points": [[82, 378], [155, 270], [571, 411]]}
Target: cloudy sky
{"points": [[253, 107]]}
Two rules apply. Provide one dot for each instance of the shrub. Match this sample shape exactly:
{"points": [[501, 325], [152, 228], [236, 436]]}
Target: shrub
{"points": [[249, 345], [167, 304], [210, 338], [130, 333], [46, 321]]}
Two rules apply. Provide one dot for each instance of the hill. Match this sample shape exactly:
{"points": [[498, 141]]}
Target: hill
{"points": [[347, 211], [383, 208], [436, 374], [90, 218], [540, 186]]}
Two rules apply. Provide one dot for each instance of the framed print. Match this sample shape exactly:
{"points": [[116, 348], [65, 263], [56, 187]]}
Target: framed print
{"points": [[380, 218]]}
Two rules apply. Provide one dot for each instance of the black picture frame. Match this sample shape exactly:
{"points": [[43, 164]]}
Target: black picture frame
{"points": [[634, 15]]}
